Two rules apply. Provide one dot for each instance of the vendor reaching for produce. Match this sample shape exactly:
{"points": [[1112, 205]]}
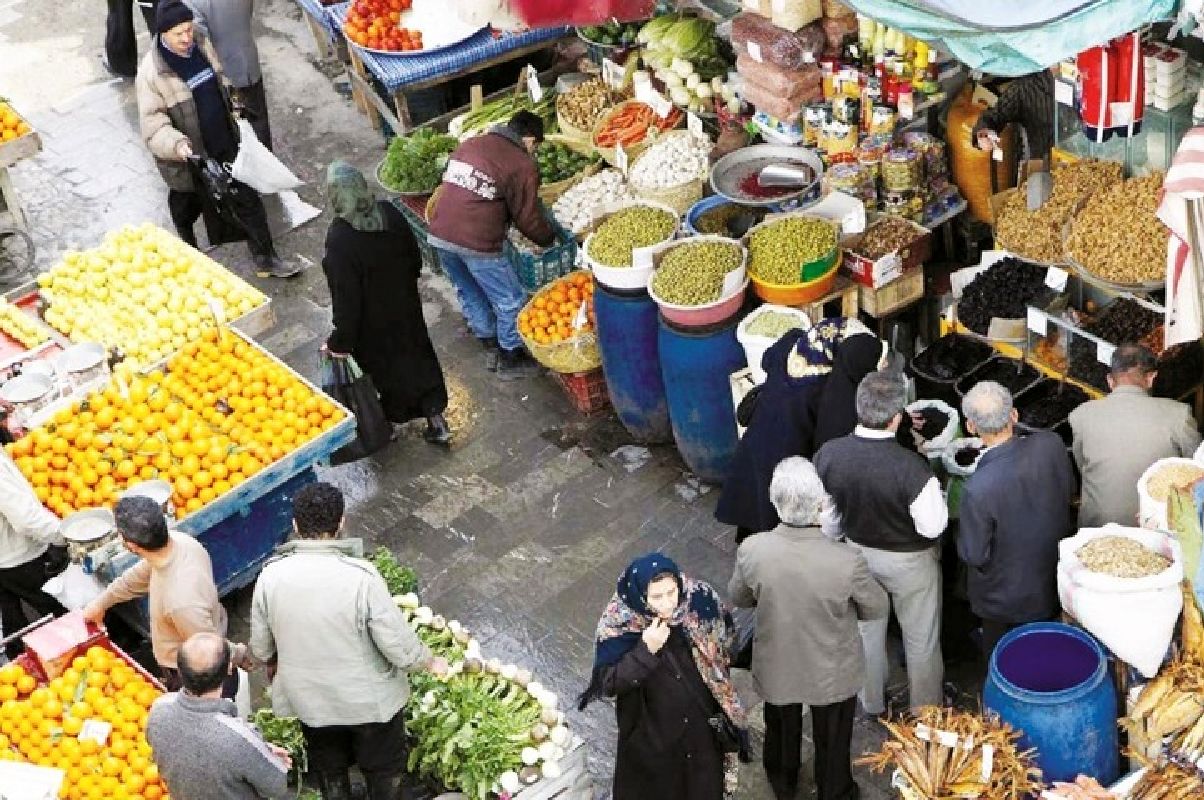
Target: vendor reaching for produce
{"points": [[492, 182], [1015, 509], [338, 648], [1027, 101], [1117, 438]]}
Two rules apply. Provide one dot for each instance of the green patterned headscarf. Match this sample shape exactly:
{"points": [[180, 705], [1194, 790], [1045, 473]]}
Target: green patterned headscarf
{"points": [[351, 199]]}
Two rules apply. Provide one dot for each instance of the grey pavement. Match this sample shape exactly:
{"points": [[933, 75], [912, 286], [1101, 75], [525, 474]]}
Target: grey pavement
{"points": [[521, 527]]}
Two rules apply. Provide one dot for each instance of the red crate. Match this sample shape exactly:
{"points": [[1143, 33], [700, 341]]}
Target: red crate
{"points": [[586, 390]]}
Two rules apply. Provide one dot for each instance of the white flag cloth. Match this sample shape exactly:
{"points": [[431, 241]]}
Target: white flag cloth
{"points": [[1183, 198]]}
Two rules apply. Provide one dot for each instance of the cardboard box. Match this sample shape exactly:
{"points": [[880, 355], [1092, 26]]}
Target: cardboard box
{"points": [[876, 274], [894, 296]]}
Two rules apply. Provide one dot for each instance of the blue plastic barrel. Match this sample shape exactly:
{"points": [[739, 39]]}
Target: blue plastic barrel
{"points": [[626, 323], [696, 365], [1051, 682]]}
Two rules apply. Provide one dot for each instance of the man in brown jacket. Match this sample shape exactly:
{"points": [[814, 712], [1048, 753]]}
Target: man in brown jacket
{"points": [[491, 182], [184, 111]]}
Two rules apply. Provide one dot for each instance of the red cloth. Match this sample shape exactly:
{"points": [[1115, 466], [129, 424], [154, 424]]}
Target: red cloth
{"points": [[1112, 87], [550, 13]]}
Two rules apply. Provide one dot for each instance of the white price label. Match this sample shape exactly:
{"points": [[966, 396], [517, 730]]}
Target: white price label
{"points": [[779, 6], [641, 257], [1064, 93], [907, 105], [988, 762], [620, 159], [217, 309], [694, 125], [533, 87], [1055, 278], [997, 154], [1103, 353], [660, 104], [612, 74], [122, 386], [95, 730], [754, 52], [947, 738], [923, 732], [1036, 321]]}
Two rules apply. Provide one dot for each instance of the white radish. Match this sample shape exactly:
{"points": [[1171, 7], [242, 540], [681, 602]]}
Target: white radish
{"points": [[530, 756], [509, 782]]}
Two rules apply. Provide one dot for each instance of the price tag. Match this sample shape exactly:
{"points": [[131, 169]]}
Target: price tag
{"points": [[533, 87], [1103, 353], [997, 154], [779, 6], [907, 105], [1036, 321], [1064, 93], [612, 74], [947, 738], [694, 125], [988, 762], [1055, 278], [641, 257], [754, 52], [621, 159], [122, 386], [659, 103], [923, 732], [95, 730]]}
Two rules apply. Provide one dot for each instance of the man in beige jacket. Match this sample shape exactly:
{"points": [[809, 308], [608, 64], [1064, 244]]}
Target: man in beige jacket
{"points": [[1116, 438], [184, 111]]}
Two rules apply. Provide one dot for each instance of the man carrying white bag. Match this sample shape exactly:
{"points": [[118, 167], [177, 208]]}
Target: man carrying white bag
{"points": [[1133, 617]]}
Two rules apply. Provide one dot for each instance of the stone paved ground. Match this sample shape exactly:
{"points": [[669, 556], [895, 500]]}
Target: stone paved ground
{"points": [[521, 528]]}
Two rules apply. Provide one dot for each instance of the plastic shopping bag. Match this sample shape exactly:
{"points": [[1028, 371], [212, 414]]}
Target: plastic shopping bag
{"points": [[343, 380], [257, 166], [74, 588]]}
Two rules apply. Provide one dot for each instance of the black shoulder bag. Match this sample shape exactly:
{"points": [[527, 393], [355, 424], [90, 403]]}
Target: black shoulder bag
{"points": [[729, 738]]}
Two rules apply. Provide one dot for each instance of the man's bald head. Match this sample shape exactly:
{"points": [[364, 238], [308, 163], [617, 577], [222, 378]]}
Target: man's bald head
{"points": [[204, 663]]}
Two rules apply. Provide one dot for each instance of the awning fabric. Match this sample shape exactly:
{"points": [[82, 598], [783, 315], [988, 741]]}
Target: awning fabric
{"points": [[1014, 37]]}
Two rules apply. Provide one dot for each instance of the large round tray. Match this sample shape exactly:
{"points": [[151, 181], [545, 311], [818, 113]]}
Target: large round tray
{"points": [[1090, 277], [427, 15], [379, 182], [734, 167]]}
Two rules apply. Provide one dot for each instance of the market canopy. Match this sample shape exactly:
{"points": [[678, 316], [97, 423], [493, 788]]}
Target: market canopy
{"points": [[1015, 37]]}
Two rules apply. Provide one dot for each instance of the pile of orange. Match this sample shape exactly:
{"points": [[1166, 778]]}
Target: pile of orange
{"points": [[220, 412], [551, 315], [11, 124], [41, 725]]}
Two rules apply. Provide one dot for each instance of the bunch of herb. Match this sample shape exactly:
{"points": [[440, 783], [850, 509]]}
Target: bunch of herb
{"points": [[415, 163], [400, 579]]}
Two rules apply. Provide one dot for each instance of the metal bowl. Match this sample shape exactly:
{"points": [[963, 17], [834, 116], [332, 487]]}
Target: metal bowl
{"points": [[88, 526], [729, 171], [83, 357], [158, 491], [27, 389]]}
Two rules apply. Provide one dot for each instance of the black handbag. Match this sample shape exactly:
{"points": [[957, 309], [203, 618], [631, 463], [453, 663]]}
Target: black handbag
{"points": [[744, 621], [728, 737], [344, 381]]}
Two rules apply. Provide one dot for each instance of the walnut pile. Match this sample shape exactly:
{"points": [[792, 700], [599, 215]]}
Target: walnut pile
{"points": [[1037, 235], [1118, 237]]}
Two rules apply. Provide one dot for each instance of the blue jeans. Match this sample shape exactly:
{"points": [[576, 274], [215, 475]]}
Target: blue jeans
{"points": [[490, 295]]}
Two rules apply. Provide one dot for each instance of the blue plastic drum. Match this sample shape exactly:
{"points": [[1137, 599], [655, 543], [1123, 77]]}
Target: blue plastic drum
{"points": [[627, 333]]}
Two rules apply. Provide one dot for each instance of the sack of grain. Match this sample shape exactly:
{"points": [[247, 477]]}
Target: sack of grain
{"points": [[1133, 617], [785, 108], [794, 14], [1153, 488], [761, 40], [777, 79]]}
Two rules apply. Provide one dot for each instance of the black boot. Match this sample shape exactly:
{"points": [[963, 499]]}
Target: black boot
{"points": [[437, 430], [381, 786], [335, 787], [515, 364], [491, 353]]}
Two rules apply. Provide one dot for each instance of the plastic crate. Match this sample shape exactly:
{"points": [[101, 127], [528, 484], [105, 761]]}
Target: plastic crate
{"points": [[586, 390], [537, 269], [417, 220]]}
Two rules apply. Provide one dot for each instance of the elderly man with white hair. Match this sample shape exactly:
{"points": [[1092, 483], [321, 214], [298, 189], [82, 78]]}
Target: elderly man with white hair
{"points": [[1014, 510], [809, 591]]}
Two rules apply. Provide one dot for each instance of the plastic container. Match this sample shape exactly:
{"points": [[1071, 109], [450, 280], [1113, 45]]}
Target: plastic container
{"points": [[798, 293], [730, 301], [1152, 513], [636, 276], [585, 390], [939, 384], [710, 203], [627, 339], [538, 269], [696, 366], [1020, 376], [1041, 392], [754, 345], [1050, 681]]}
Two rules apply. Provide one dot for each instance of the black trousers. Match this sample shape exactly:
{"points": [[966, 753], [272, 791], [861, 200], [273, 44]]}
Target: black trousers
{"points": [[23, 584], [379, 749], [832, 731], [121, 46], [255, 109], [186, 208]]}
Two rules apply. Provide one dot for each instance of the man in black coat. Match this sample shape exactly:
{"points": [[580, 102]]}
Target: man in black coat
{"points": [[1015, 509]]}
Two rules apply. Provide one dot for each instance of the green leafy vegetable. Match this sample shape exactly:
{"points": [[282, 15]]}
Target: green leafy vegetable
{"points": [[284, 732], [558, 162], [400, 579], [415, 163]]}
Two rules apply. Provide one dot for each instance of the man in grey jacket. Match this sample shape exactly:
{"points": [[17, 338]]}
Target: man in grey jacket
{"points": [[1118, 437], [227, 23], [203, 750], [340, 649], [810, 591]]}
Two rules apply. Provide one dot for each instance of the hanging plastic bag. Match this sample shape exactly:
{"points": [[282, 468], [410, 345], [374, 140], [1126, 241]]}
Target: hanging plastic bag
{"points": [[934, 447], [257, 166], [343, 380], [74, 588]]}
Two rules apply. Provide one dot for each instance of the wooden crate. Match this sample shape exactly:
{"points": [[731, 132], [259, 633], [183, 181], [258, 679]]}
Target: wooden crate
{"points": [[844, 290], [17, 149], [894, 296]]}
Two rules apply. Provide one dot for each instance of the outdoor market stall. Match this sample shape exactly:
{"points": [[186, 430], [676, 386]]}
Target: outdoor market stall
{"points": [[18, 141]]}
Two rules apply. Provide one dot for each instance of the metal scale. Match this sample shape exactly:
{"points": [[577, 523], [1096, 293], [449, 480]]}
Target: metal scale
{"points": [[92, 538]]}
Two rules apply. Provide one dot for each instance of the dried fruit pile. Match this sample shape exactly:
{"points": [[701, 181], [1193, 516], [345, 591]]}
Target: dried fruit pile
{"points": [[1004, 290], [1123, 320], [1038, 234], [1118, 237], [951, 356]]}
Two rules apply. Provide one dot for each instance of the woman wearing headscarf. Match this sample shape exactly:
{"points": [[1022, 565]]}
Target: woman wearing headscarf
{"points": [[859, 353], [662, 653], [782, 424], [372, 264]]}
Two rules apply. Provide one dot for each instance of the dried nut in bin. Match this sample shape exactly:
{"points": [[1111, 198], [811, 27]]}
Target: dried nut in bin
{"points": [[1118, 236], [1039, 234], [885, 237], [777, 251], [692, 274], [627, 229], [583, 104]]}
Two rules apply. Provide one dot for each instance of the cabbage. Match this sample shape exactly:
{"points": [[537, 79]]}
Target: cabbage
{"points": [[690, 37], [655, 29]]}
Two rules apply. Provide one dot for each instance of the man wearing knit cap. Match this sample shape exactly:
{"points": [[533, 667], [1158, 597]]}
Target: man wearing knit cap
{"points": [[184, 111]]}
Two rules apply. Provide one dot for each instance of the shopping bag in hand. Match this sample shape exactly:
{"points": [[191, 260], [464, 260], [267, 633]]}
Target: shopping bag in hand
{"points": [[745, 623], [343, 380], [257, 166]]}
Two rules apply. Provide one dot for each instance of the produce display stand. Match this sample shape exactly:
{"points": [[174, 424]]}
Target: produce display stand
{"points": [[326, 39], [400, 74], [12, 351], [12, 215]]}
